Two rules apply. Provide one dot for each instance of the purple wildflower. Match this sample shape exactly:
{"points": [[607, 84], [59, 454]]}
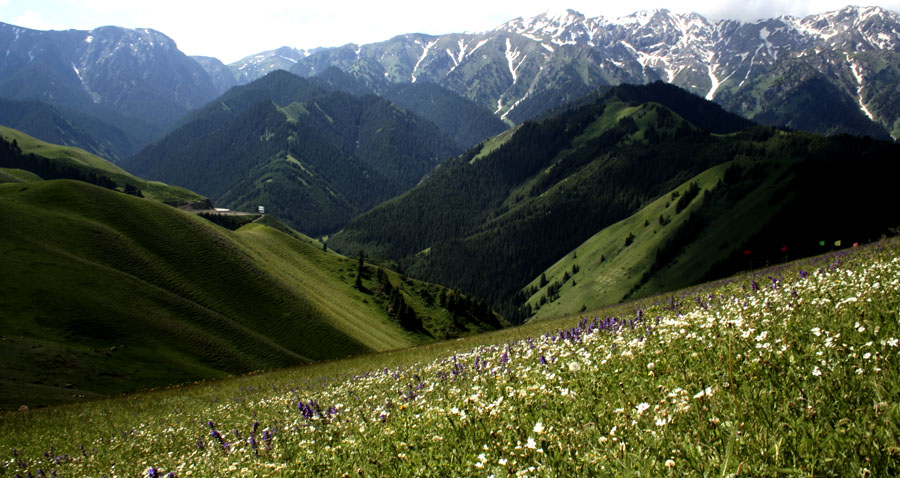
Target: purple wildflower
{"points": [[152, 472], [253, 445], [267, 437]]}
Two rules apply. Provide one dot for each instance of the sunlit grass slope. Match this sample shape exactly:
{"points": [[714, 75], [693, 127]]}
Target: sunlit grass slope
{"points": [[737, 215], [785, 371], [104, 292], [609, 271], [90, 163]]}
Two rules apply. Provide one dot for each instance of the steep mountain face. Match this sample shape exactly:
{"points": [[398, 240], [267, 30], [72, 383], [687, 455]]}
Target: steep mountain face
{"points": [[530, 65], [494, 218], [314, 156], [60, 127], [461, 119], [221, 76], [135, 79]]}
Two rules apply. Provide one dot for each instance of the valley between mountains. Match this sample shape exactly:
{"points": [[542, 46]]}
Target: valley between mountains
{"points": [[418, 189], [651, 245]]}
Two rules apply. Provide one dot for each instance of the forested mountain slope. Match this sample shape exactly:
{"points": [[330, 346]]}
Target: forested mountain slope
{"points": [[494, 218], [314, 156]]}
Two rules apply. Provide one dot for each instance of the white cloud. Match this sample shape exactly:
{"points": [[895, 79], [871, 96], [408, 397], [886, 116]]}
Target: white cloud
{"points": [[33, 20]]}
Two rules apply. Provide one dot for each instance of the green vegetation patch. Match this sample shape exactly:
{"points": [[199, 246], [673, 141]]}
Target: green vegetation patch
{"points": [[789, 370], [56, 162], [8, 175]]}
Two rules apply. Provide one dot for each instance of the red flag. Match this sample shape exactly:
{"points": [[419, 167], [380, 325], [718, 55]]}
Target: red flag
{"points": [[783, 248], [855, 244], [747, 252]]}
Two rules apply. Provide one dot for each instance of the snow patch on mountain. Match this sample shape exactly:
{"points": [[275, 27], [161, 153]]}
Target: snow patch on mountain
{"points": [[422, 58], [514, 105], [858, 75], [511, 56]]}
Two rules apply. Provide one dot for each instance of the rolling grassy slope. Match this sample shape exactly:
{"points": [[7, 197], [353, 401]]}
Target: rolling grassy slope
{"points": [[103, 293], [784, 371], [91, 164]]}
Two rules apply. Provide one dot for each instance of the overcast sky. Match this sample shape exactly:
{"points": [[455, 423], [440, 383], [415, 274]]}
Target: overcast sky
{"points": [[232, 30]]}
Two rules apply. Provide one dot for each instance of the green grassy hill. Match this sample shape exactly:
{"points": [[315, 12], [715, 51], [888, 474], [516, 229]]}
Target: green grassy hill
{"points": [[104, 292], [745, 214], [603, 270], [89, 164]]}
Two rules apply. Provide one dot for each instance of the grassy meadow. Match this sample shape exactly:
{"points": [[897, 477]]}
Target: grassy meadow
{"points": [[787, 371]]}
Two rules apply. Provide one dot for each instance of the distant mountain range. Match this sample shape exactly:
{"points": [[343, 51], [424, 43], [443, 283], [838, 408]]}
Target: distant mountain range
{"points": [[829, 73], [134, 82], [832, 72]]}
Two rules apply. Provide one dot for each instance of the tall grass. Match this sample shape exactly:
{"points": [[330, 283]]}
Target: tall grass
{"points": [[789, 371]]}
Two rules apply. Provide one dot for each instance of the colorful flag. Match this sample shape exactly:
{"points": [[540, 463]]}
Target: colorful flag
{"points": [[821, 243], [837, 243], [747, 252], [783, 248], [855, 244]]}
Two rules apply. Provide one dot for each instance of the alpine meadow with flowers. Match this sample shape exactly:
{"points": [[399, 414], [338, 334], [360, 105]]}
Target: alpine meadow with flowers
{"points": [[791, 370]]}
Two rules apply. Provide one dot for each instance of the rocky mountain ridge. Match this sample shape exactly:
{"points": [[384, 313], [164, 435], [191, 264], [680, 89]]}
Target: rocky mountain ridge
{"points": [[533, 64], [134, 79]]}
